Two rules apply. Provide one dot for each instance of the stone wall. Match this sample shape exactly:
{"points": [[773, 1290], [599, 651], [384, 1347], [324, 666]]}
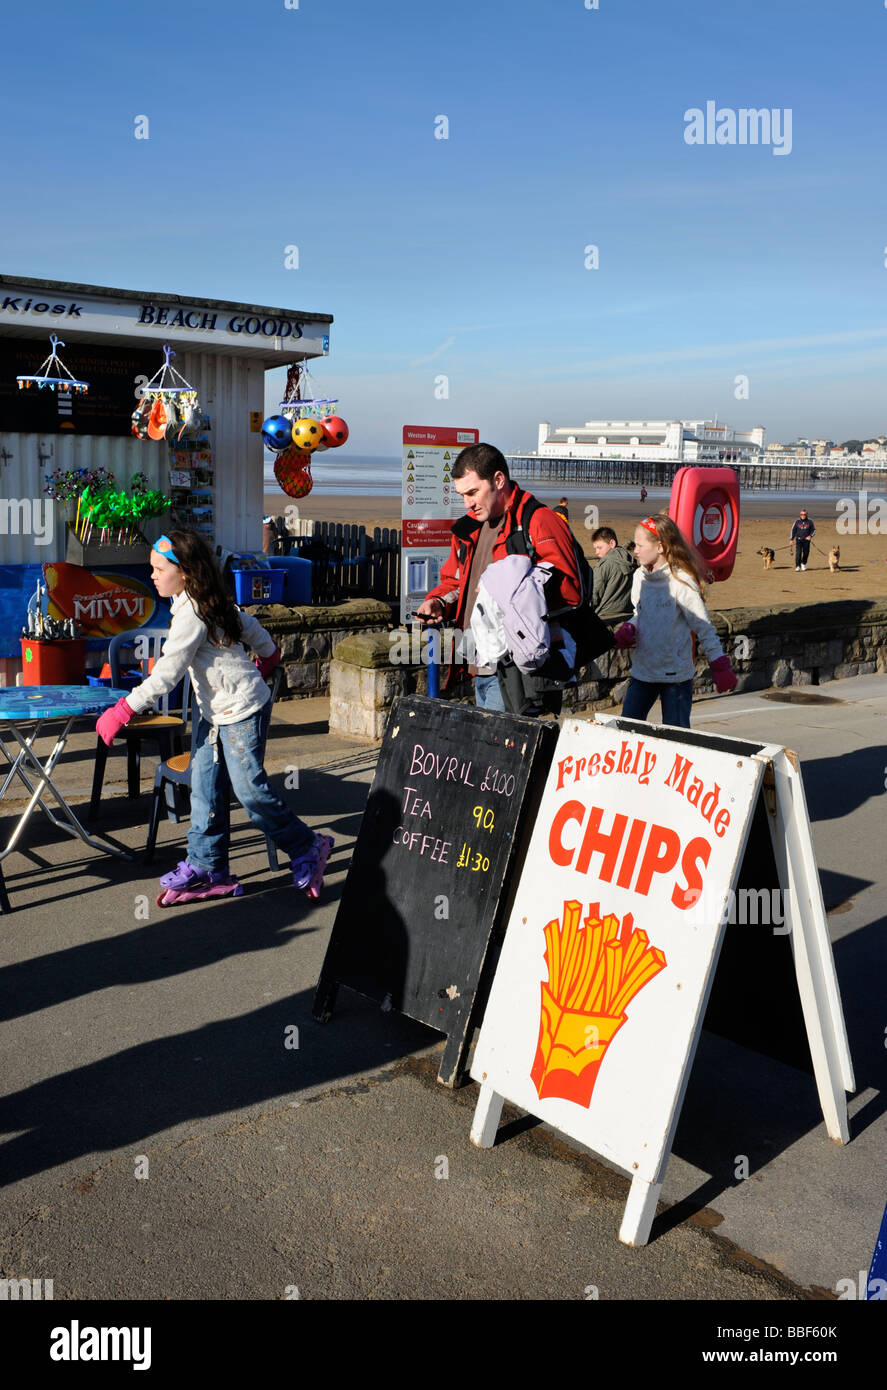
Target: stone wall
{"points": [[308, 636], [767, 647]]}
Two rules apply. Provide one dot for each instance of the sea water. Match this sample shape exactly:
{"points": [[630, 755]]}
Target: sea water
{"points": [[342, 474]]}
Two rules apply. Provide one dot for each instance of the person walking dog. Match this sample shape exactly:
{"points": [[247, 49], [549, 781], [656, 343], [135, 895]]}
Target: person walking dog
{"points": [[802, 533]]}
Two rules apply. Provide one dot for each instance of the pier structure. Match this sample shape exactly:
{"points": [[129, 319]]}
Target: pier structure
{"points": [[687, 441], [766, 474]]}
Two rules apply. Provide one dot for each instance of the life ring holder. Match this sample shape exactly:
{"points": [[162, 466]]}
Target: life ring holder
{"points": [[704, 504]]}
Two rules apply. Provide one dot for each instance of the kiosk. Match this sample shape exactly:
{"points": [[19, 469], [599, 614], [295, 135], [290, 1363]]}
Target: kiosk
{"points": [[114, 340]]}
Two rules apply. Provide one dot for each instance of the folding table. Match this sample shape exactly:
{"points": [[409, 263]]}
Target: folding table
{"points": [[24, 710]]}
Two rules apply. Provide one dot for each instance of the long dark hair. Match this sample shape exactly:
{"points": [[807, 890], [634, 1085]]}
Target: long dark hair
{"points": [[206, 587]]}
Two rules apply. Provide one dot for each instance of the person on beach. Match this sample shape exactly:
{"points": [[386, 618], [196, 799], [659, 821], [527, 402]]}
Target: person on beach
{"points": [[496, 509], [562, 509], [208, 637], [802, 533], [667, 594], [612, 577]]}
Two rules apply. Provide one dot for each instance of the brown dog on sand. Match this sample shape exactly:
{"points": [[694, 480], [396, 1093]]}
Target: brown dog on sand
{"points": [[768, 554], [834, 558]]}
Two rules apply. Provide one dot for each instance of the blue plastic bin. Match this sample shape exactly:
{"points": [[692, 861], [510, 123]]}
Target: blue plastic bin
{"points": [[296, 577], [258, 586]]}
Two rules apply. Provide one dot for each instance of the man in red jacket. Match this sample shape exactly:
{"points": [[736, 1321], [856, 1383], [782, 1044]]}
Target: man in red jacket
{"points": [[495, 506]]}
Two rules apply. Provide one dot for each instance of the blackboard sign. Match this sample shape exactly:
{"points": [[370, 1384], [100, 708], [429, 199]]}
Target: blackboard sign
{"points": [[427, 892], [114, 373]]}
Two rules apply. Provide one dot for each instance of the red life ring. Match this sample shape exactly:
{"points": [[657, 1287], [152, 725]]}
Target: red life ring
{"points": [[704, 504]]}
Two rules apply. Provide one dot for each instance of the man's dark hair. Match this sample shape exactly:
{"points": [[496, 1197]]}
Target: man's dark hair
{"points": [[482, 459], [604, 533]]}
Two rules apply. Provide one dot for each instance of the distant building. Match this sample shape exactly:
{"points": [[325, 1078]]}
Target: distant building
{"points": [[687, 441]]}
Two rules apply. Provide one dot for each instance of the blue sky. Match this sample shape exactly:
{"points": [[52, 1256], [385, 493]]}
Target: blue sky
{"points": [[465, 257]]}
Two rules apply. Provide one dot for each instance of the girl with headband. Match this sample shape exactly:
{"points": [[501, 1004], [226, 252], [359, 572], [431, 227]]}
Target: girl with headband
{"points": [[668, 608], [208, 635]]}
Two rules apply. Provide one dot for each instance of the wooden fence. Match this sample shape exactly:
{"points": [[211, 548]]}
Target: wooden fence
{"points": [[348, 563]]}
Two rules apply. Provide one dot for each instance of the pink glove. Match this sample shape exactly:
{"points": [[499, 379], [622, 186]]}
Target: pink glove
{"points": [[266, 664], [112, 721], [626, 635], [724, 675]]}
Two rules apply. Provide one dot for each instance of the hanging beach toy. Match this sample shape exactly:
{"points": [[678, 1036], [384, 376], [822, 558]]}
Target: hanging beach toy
{"points": [[307, 434], [66, 384], [315, 426], [277, 432], [335, 430], [140, 417], [157, 420], [174, 421], [174, 405], [292, 469]]}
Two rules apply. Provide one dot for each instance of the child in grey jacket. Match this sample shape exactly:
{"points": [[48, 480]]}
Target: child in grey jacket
{"points": [[207, 637], [668, 609]]}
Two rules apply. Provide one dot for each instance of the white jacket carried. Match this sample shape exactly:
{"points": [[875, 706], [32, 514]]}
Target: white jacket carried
{"points": [[227, 685], [666, 611]]}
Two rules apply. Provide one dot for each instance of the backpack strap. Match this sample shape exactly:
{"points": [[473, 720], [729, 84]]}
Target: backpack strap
{"points": [[518, 541]]}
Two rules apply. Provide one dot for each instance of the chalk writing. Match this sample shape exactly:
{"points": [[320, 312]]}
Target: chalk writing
{"points": [[502, 783]]}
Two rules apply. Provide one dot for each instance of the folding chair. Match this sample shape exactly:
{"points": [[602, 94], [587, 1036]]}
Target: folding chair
{"points": [[176, 773], [163, 729]]}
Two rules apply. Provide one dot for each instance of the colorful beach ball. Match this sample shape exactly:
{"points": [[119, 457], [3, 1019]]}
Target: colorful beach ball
{"points": [[307, 434], [335, 430], [277, 432]]}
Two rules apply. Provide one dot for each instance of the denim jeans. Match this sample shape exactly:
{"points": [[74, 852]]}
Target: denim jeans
{"points": [[676, 697], [487, 694], [239, 752]]}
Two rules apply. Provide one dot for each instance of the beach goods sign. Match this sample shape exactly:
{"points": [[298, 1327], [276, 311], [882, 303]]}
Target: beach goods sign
{"points": [[600, 991], [436, 853]]}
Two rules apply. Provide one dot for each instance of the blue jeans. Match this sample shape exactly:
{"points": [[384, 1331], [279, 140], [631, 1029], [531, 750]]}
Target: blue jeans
{"points": [[676, 697], [487, 694], [237, 765]]}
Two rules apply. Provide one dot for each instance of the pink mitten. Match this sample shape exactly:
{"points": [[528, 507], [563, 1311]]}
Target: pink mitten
{"points": [[112, 721], [724, 675], [626, 635], [266, 664]]}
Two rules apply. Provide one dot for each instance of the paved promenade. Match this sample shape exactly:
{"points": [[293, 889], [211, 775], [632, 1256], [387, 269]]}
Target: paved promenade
{"points": [[162, 1141]]}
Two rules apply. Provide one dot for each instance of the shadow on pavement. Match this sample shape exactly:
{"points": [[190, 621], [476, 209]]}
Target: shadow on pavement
{"points": [[215, 1069], [835, 787]]}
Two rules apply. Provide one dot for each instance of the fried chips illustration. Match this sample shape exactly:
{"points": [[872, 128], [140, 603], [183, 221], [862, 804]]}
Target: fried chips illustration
{"points": [[594, 971]]}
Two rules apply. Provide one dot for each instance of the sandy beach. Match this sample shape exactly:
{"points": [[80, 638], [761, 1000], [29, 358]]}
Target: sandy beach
{"points": [[766, 520]]}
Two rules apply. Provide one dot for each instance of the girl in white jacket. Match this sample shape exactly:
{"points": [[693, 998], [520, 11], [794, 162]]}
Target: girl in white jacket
{"points": [[207, 637], [668, 608]]}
